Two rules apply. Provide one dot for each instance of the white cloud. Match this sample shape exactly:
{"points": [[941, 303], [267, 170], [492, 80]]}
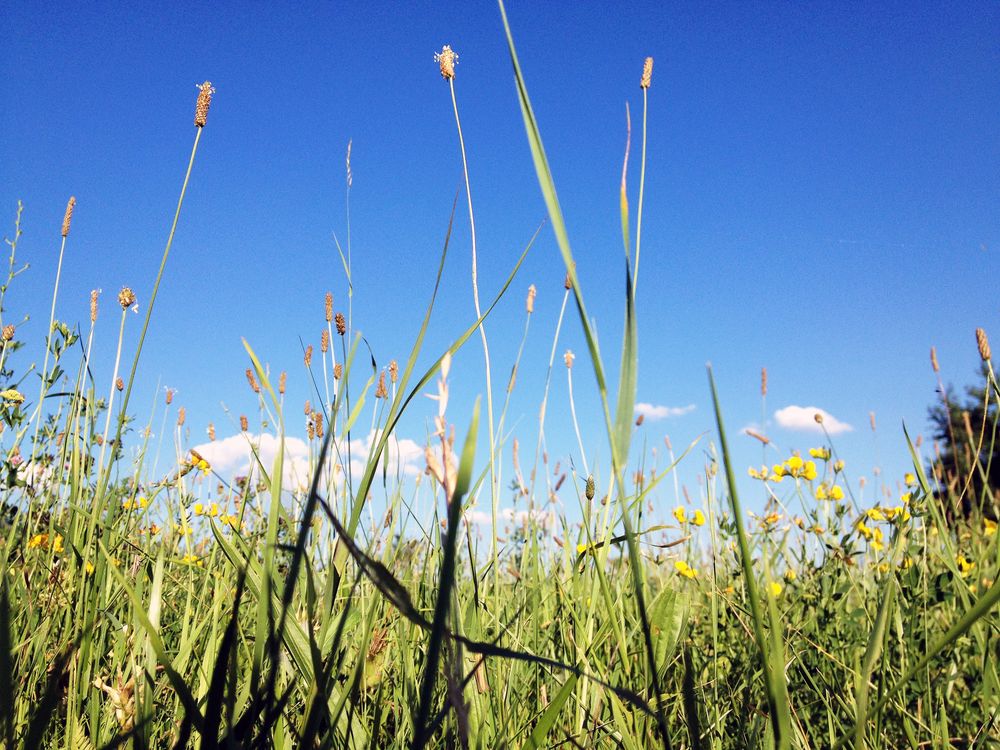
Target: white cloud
{"points": [[803, 418], [654, 412], [546, 519], [232, 456]]}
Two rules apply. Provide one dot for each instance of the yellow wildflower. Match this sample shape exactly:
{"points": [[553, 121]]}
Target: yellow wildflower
{"points": [[774, 589], [698, 519], [883, 567], [876, 540], [809, 471], [820, 453], [88, 568], [909, 479], [135, 503], [770, 519], [38, 540], [199, 509], [777, 472], [790, 575], [906, 563], [761, 474], [684, 569], [12, 396], [57, 544], [821, 492], [838, 466], [794, 464], [190, 559], [989, 526], [900, 514], [680, 514], [965, 565], [875, 514]]}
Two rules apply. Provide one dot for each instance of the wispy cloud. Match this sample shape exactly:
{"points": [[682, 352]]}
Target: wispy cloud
{"points": [[803, 419], [654, 412]]}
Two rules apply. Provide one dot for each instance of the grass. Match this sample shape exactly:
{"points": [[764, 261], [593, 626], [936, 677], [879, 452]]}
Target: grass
{"points": [[189, 610]]}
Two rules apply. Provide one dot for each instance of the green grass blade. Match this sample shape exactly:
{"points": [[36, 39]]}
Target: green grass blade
{"points": [[548, 718], [446, 581], [777, 687]]}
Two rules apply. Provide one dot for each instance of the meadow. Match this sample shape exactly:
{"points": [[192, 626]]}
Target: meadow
{"points": [[187, 608]]}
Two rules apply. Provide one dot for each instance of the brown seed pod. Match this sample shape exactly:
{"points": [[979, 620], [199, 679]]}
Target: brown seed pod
{"points": [[205, 92]]}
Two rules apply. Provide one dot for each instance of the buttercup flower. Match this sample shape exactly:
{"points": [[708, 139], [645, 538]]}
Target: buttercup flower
{"points": [[684, 569], [965, 565]]}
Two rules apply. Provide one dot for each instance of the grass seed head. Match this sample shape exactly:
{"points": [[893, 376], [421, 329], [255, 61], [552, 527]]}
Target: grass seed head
{"points": [[308, 358], [647, 73], [169, 396], [244, 425], [380, 390], [181, 416], [94, 293], [211, 432], [393, 371], [324, 341], [68, 216], [530, 302], [934, 360], [252, 381], [8, 332], [328, 306], [282, 381], [307, 410], [119, 384], [338, 370], [763, 381], [347, 160], [341, 323], [983, 343], [591, 488], [568, 358], [126, 298], [446, 59], [205, 92]]}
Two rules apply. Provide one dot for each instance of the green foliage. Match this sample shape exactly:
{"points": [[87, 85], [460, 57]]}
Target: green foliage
{"points": [[189, 610], [966, 431]]}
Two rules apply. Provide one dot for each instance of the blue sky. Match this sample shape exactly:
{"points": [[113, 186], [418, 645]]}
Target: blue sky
{"points": [[821, 197]]}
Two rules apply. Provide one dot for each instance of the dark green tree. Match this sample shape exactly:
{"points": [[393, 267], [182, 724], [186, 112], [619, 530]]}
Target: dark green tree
{"points": [[966, 460]]}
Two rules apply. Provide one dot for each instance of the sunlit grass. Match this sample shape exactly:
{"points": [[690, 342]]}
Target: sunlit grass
{"points": [[278, 609]]}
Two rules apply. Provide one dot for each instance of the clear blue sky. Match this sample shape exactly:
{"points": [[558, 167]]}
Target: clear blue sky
{"points": [[822, 196]]}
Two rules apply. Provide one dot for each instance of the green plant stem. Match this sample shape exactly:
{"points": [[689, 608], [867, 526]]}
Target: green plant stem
{"points": [[123, 412]]}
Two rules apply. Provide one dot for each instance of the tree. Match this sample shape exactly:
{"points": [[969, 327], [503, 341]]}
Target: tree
{"points": [[966, 459]]}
